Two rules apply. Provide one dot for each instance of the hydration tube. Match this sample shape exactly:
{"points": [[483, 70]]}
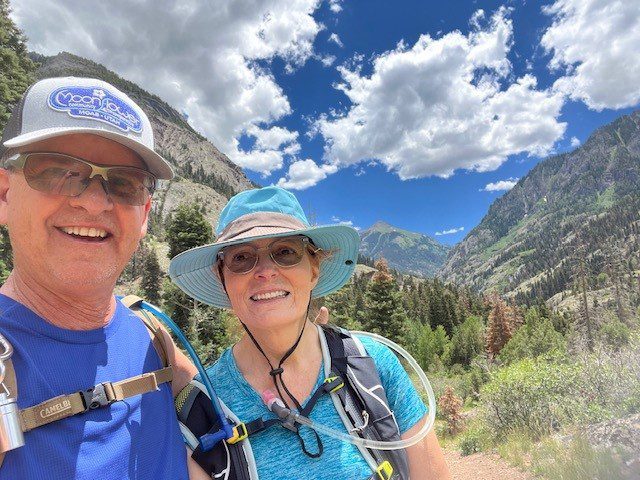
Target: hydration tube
{"points": [[208, 440], [286, 415]]}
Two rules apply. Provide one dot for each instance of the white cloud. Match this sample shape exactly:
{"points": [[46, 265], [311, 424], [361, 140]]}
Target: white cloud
{"points": [[442, 105], [335, 6], [303, 174], [202, 60], [336, 39], [596, 42], [451, 231], [500, 185], [327, 60], [575, 142]]}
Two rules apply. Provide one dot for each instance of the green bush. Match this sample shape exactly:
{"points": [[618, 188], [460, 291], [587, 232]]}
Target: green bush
{"points": [[535, 397], [615, 335], [471, 442], [536, 337], [579, 461]]}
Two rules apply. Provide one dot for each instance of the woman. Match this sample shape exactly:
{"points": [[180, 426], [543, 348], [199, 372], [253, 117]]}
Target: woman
{"points": [[266, 265]]}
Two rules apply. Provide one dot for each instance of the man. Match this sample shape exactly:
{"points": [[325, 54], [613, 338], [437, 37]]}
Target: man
{"points": [[75, 194]]}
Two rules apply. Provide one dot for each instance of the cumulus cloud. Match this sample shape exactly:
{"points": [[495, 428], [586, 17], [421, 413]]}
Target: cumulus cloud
{"points": [[451, 231], [303, 174], [575, 142], [203, 60], [596, 42], [501, 185], [443, 104], [327, 60], [336, 39], [335, 6]]}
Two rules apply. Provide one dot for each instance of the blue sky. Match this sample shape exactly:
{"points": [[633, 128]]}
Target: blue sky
{"points": [[419, 113]]}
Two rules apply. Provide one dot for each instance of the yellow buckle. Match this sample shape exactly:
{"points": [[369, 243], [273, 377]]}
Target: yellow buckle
{"points": [[334, 389], [237, 436], [384, 470]]}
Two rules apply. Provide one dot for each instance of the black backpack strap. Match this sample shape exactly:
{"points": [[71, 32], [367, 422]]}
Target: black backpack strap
{"points": [[365, 402], [233, 461]]}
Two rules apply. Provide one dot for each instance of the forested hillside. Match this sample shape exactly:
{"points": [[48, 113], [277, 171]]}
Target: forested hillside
{"points": [[408, 252], [575, 212]]}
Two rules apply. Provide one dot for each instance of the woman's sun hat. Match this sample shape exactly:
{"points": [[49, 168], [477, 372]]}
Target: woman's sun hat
{"points": [[264, 213]]}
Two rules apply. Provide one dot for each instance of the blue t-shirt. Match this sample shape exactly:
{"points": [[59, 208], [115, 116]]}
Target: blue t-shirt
{"points": [[137, 438], [277, 451]]}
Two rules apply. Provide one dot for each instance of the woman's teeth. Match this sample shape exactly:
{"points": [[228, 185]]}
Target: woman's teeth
{"points": [[269, 295], [84, 231]]}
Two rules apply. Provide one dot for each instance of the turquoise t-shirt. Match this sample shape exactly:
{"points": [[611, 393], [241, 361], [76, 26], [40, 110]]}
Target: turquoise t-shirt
{"points": [[278, 452]]}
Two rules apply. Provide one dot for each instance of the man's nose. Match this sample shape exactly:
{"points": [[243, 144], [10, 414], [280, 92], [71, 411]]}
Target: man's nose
{"points": [[95, 198]]}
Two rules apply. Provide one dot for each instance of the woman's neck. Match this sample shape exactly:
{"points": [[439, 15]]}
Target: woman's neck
{"points": [[275, 344]]}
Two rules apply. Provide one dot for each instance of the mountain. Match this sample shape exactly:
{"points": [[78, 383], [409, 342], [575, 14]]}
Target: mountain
{"points": [[204, 174], [407, 252], [574, 208]]}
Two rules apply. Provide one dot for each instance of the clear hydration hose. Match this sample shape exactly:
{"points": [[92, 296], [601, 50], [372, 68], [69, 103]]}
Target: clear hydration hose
{"points": [[276, 406]]}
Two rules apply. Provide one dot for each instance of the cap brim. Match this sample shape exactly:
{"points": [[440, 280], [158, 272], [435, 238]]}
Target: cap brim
{"points": [[154, 162], [192, 270]]}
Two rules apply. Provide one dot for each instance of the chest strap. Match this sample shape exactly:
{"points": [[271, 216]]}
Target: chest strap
{"points": [[101, 395]]}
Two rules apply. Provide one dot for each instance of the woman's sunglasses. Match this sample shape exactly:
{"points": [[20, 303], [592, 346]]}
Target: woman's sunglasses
{"points": [[69, 176], [285, 252]]}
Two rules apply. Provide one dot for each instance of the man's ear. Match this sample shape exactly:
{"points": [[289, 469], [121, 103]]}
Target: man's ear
{"points": [[145, 222], [4, 190]]}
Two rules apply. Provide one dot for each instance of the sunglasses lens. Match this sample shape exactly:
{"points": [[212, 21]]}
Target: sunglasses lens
{"points": [[56, 174], [287, 252], [63, 175], [240, 258], [131, 187]]}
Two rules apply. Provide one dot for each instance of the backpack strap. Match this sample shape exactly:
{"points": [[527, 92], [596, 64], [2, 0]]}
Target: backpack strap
{"points": [[9, 382], [133, 302], [102, 394], [363, 405]]}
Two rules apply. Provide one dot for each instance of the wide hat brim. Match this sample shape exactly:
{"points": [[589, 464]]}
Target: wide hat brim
{"points": [[155, 163], [193, 270]]}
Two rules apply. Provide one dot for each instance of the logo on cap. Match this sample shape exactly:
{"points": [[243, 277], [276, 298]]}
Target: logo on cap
{"points": [[96, 103]]}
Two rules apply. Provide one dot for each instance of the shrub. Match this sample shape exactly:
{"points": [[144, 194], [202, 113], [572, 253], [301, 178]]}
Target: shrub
{"points": [[470, 442], [578, 461], [535, 397], [615, 335], [450, 406], [536, 337]]}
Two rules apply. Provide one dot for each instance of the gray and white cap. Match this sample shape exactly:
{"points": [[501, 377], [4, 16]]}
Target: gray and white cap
{"points": [[54, 107]]}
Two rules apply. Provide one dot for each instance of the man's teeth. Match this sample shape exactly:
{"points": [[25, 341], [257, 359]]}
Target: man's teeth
{"points": [[84, 231], [270, 295]]}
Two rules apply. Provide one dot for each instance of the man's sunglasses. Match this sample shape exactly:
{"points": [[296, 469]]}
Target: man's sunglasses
{"points": [[285, 252], [62, 174]]}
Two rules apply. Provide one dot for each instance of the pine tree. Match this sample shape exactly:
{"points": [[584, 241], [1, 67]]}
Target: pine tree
{"points": [[187, 229], [16, 68], [151, 277], [499, 328], [383, 305]]}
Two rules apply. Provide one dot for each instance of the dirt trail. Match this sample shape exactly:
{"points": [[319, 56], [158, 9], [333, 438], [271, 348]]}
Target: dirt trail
{"points": [[481, 466]]}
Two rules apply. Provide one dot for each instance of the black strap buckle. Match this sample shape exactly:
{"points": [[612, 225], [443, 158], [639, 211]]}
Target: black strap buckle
{"points": [[95, 397]]}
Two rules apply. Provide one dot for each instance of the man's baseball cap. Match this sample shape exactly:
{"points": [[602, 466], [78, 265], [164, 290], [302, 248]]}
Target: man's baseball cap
{"points": [[54, 107]]}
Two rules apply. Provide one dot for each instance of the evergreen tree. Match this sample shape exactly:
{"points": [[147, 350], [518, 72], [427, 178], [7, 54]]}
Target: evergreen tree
{"points": [[187, 229], [383, 306], [500, 327], [151, 277], [16, 68], [467, 341]]}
